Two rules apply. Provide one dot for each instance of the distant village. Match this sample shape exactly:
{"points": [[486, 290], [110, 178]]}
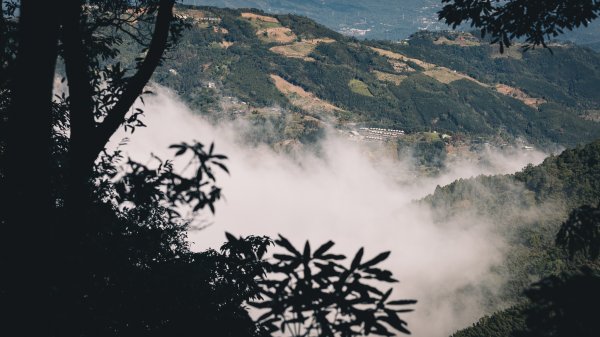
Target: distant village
{"points": [[377, 134]]}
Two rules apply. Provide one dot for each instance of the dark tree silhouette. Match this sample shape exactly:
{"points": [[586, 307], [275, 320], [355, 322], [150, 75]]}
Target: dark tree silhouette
{"points": [[44, 227], [92, 246], [537, 21], [313, 294]]}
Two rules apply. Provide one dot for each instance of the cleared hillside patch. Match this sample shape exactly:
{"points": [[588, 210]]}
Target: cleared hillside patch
{"points": [[300, 49], [259, 18], [302, 98], [359, 87], [396, 56], [269, 29], [520, 95], [462, 40], [447, 76], [276, 35], [387, 77]]}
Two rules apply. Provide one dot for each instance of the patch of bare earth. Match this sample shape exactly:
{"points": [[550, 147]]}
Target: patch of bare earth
{"points": [[387, 77], [300, 49], [439, 73], [226, 44], [276, 34], [592, 115], [447, 76], [220, 30], [269, 29], [302, 98], [401, 67], [396, 56], [462, 40], [520, 95], [263, 18]]}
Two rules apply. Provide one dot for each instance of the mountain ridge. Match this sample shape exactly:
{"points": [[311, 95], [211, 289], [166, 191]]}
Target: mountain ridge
{"points": [[447, 82], [380, 19]]}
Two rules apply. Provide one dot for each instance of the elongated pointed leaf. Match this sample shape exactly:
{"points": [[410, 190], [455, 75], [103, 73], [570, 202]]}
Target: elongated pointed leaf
{"points": [[285, 243], [230, 237], [324, 248], [333, 257], [396, 323], [386, 295], [402, 302], [375, 260], [357, 258], [284, 257], [306, 254]]}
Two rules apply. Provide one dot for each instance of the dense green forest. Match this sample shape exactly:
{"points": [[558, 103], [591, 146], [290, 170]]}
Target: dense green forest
{"points": [[443, 81], [528, 208]]}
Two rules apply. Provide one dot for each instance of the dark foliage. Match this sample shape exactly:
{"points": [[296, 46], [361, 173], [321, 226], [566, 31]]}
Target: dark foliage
{"points": [[581, 232], [564, 305], [506, 323], [536, 21], [311, 294]]}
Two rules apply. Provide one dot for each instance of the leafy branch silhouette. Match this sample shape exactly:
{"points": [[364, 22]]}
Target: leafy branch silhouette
{"points": [[310, 293]]}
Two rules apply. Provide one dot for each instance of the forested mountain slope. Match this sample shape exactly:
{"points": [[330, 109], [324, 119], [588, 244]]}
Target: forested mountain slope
{"points": [[376, 19], [528, 209], [250, 65]]}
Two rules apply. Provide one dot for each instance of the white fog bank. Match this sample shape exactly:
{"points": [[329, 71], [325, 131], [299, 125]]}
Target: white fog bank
{"points": [[343, 196]]}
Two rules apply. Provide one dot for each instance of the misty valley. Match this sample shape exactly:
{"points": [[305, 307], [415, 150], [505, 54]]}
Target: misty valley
{"points": [[224, 170]]}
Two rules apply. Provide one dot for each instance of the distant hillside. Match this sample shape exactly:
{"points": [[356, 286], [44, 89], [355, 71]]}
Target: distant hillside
{"points": [[502, 324], [528, 209], [447, 82], [376, 19]]}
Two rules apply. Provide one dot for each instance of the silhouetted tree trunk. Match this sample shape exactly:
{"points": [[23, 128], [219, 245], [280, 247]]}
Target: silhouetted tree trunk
{"points": [[43, 251], [88, 139], [28, 233]]}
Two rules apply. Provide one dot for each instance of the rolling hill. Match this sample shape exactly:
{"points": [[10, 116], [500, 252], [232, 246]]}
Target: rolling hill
{"points": [[527, 208], [375, 19], [300, 76]]}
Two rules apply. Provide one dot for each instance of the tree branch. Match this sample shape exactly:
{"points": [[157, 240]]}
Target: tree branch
{"points": [[136, 83], [79, 81]]}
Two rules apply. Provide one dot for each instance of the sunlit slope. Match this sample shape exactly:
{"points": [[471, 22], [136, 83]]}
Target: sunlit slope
{"points": [[450, 83]]}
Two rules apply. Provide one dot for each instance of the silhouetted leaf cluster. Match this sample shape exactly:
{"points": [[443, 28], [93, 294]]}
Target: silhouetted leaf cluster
{"points": [[535, 20], [141, 184], [310, 293]]}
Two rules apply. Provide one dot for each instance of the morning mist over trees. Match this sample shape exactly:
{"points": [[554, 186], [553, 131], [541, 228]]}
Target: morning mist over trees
{"points": [[299, 168]]}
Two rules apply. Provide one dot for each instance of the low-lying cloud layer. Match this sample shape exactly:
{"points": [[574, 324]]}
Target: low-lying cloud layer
{"points": [[344, 196]]}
